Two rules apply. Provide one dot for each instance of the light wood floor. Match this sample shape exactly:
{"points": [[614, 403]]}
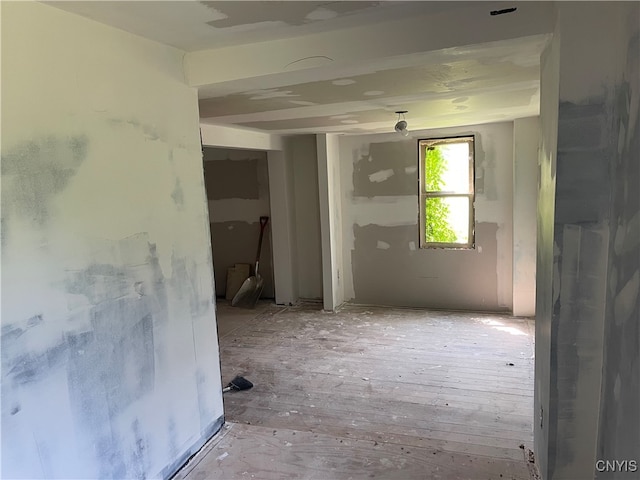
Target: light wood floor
{"points": [[372, 392]]}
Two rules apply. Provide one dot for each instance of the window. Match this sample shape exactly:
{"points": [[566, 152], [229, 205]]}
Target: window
{"points": [[447, 193]]}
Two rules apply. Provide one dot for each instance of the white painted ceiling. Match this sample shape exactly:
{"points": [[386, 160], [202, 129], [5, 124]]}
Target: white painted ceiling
{"points": [[495, 81]]}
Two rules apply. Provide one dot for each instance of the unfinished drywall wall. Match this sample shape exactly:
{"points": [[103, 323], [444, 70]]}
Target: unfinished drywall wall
{"points": [[335, 204], [526, 139], [223, 136], [330, 219], [237, 183], [301, 150], [590, 292], [285, 273], [619, 425], [586, 145], [383, 263], [110, 365], [545, 257]]}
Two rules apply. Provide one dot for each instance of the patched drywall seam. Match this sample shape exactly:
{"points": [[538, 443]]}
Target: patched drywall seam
{"points": [[619, 432], [383, 196], [35, 171], [582, 237], [117, 347], [373, 177], [232, 15], [582, 270], [593, 365], [383, 249]]}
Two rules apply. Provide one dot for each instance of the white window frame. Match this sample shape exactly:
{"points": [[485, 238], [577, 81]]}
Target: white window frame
{"points": [[423, 144]]}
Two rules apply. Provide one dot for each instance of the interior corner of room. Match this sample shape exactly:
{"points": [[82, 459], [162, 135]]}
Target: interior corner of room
{"points": [[158, 157]]}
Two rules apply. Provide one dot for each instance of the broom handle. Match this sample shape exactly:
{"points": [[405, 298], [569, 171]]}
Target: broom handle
{"points": [[263, 225]]}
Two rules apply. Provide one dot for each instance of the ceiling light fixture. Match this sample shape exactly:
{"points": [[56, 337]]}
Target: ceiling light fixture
{"points": [[401, 125]]}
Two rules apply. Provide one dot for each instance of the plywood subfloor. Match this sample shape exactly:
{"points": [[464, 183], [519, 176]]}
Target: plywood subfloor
{"points": [[373, 392]]}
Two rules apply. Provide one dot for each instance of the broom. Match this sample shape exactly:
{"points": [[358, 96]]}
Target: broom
{"points": [[238, 383]]}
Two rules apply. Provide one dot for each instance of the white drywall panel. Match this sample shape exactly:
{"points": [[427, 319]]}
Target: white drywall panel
{"points": [[546, 268], [526, 140], [594, 290], [280, 190], [330, 219], [233, 137], [302, 153], [110, 365]]}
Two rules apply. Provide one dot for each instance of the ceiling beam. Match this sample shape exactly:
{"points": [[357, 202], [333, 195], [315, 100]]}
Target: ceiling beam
{"points": [[306, 55]]}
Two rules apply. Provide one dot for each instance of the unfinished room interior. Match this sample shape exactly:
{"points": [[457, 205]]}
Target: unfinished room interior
{"points": [[445, 197]]}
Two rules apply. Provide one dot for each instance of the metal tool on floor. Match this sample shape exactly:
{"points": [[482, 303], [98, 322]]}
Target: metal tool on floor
{"points": [[238, 383], [251, 289]]}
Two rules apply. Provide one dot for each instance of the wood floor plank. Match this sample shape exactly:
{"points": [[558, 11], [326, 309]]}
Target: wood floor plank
{"points": [[358, 370], [320, 384], [373, 392], [390, 432], [436, 430], [266, 453], [499, 424]]}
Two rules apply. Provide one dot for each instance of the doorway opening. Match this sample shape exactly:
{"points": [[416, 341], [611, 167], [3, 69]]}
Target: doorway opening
{"points": [[237, 186]]}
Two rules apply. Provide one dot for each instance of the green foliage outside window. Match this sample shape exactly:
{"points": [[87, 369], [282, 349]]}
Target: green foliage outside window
{"points": [[437, 212]]}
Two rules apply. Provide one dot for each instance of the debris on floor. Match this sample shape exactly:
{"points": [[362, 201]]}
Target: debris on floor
{"points": [[238, 383]]}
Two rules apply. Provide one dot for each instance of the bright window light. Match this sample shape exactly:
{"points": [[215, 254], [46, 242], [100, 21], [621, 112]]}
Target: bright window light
{"points": [[447, 193]]}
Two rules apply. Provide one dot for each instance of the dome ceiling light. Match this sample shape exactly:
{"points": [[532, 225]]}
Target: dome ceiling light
{"points": [[401, 125]]}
